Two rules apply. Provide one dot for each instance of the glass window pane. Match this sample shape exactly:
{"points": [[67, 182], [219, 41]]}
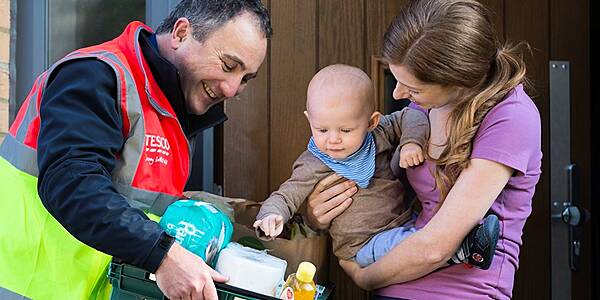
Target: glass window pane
{"points": [[78, 23]]}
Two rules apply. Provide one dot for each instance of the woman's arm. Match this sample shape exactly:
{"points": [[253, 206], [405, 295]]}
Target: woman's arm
{"points": [[470, 198]]}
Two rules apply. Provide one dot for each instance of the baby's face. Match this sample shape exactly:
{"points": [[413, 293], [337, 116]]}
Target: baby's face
{"points": [[338, 126]]}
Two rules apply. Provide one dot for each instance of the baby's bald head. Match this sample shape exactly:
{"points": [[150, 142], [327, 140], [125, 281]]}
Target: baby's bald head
{"points": [[339, 84]]}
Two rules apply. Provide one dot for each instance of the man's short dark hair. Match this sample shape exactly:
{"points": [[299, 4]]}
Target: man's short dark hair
{"points": [[206, 16]]}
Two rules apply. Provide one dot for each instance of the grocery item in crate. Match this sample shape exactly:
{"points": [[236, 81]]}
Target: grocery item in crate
{"points": [[300, 285], [251, 269], [199, 227], [132, 283]]}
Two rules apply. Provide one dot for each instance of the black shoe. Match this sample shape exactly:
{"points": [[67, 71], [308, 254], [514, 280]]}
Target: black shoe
{"points": [[482, 242]]}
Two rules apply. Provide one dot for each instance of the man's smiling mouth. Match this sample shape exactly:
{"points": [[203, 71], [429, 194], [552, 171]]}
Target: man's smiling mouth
{"points": [[208, 91]]}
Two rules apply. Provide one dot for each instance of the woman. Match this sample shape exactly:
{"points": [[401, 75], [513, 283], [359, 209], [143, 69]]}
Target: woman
{"points": [[483, 155]]}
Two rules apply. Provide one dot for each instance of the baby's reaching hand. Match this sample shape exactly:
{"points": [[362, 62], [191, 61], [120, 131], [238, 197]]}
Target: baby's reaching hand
{"points": [[271, 225], [411, 155]]}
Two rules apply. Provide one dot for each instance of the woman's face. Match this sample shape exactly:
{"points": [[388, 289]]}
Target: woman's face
{"points": [[424, 94]]}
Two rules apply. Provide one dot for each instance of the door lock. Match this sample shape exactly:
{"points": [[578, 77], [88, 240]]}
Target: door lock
{"points": [[571, 215]]}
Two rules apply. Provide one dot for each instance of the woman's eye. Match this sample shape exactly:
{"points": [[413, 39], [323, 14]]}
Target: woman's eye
{"points": [[413, 92]]}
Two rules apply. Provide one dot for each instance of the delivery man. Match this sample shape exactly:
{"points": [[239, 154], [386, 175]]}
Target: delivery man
{"points": [[102, 139]]}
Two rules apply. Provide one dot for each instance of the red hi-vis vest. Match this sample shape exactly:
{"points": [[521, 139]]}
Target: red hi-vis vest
{"points": [[154, 164]]}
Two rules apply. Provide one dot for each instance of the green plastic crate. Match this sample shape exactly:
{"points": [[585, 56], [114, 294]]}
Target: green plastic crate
{"points": [[132, 283]]}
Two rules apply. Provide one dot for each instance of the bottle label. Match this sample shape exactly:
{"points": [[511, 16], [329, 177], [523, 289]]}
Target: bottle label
{"points": [[287, 294], [320, 290]]}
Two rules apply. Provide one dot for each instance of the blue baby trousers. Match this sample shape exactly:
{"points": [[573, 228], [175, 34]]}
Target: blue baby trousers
{"points": [[383, 242]]}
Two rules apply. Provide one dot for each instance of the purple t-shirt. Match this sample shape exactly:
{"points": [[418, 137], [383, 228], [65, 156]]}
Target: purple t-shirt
{"points": [[511, 135]]}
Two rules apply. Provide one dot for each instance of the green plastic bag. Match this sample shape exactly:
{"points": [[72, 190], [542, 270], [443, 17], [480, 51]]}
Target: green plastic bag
{"points": [[199, 227]]}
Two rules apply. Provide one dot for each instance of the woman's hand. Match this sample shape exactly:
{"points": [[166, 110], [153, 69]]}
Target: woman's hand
{"points": [[325, 202], [356, 273]]}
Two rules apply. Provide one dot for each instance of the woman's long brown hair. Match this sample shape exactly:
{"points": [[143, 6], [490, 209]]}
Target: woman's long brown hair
{"points": [[452, 43]]}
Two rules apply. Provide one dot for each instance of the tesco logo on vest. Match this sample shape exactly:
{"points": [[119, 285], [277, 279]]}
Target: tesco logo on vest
{"points": [[155, 141], [157, 149]]}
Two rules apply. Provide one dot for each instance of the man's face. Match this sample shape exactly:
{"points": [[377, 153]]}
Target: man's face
{"points": [[220, 67]]}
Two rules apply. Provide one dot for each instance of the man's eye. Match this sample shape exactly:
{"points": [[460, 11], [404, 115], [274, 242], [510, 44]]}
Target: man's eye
{"points": [[413, 92], [346, 130], [226, 67], [322, 130]]}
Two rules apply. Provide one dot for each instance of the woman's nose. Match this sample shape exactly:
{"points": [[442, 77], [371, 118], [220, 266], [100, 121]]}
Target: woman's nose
{"points": [[400, 92]]}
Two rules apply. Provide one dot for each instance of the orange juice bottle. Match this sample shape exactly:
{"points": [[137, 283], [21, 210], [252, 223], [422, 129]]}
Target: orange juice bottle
{"points": [[300, 285]]}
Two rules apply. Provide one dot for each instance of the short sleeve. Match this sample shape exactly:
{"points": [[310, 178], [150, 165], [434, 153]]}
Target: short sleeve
{"points": [[418, 107], [510, 133]]}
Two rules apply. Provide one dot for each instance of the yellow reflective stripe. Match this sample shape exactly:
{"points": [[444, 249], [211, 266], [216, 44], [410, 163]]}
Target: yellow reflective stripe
{"points": [[40, 259]]}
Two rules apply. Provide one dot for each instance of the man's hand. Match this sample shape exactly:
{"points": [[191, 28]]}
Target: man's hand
{"points": [[184, 275], [271, 225], [327, 202], [411, 155]]}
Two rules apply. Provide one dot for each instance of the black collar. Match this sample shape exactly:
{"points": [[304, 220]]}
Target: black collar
{"points": [[167, 77]]}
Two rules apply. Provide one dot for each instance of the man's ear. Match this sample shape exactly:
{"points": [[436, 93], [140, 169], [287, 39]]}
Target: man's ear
{"points": [[182, 29], [374, 120]]}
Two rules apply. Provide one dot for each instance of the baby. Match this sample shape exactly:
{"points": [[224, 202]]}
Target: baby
{"points": [[350, 138]]}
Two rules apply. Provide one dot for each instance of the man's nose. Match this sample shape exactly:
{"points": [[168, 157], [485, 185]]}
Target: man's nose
{"points": [[231, 87], [400, 92]]}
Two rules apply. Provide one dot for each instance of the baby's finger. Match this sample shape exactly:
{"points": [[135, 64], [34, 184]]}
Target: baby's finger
{"points": [[264, 226], [272, 226], [402, 164], [257, 223], [417, 160], [414, 160], [278, 229]]}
